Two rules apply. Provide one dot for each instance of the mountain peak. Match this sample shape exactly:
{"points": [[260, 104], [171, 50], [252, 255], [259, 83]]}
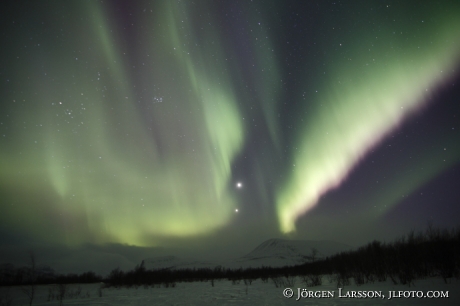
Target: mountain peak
{"points": [[277, 251]]}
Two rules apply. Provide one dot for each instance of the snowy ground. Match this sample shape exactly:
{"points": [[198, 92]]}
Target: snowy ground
{"points": [[227, 293]]}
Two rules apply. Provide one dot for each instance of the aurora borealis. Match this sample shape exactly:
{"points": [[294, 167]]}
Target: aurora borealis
{"points": [[165, 123]]}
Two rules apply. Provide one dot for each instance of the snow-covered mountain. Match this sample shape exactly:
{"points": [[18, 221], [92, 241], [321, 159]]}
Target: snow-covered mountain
{"points": [[177, 262], [272, 253], [91, 260], [283, 252]]}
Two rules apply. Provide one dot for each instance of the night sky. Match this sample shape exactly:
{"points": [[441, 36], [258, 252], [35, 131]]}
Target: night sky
{"points": [[220, 124]]}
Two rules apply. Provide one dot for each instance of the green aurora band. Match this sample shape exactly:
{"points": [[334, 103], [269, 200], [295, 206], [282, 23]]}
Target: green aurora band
{"points": [[368, 95], [88, 160], [105, 180]]}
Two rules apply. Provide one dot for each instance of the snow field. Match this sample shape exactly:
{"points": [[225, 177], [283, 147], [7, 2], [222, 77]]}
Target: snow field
{"points": [[227, 292]]}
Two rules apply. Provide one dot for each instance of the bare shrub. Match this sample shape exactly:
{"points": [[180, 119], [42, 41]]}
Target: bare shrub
{"points": [[278, 281], [61, 290], [312, 280], [29, 289], [247, 281], [289, 281]]}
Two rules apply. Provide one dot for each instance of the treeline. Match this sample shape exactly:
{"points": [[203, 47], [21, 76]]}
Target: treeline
{"points": [[43, 275], [433, 252], [168, 277]]}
